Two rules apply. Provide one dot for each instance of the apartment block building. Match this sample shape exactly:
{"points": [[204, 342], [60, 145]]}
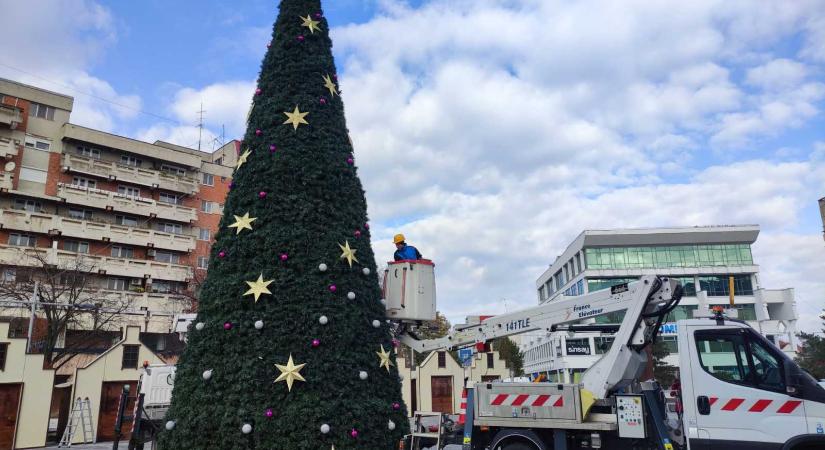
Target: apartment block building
{"points": [[703, 259], [138, 218]]}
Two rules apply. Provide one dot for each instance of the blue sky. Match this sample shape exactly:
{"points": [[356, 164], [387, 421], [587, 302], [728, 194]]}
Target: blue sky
{"points": [[494, 131]]}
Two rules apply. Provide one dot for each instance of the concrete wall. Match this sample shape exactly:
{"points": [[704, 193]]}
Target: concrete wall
{"points": [[88, 380], [33, 415]]}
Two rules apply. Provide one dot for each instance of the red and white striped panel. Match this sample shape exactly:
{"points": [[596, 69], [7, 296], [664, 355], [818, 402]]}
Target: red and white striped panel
{"points": [[751, 406], [462, 411], [556, 401]]}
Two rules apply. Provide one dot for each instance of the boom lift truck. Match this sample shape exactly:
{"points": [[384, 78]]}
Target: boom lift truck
{"points": [[739, 391]]}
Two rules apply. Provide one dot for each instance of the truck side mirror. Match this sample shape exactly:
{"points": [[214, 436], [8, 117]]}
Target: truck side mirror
{"points": [[791, 380]]}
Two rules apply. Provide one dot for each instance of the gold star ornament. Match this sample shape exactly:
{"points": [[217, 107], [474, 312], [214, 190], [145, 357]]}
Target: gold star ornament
{"points": [[243, 223], [349, 253], [329, 84], [242, 159], [385, 359], [289, 373], [258, 287], [296, 118], [311, 24]]}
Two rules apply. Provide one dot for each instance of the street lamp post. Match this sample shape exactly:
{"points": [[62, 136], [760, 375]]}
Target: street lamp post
{"points": [[822, 213]]}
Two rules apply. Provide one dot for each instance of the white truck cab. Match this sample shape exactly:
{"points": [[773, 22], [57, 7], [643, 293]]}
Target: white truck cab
{"points": [[740, 391]]}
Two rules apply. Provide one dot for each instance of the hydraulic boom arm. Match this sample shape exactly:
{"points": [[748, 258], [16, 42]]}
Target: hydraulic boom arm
{"points": [[646, 301]]}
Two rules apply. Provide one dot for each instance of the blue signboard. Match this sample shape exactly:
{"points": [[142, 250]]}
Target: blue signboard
{"points": [[465, 356], [668, 328]]}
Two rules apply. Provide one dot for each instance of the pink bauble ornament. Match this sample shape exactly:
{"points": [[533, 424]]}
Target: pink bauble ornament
{"points": [[323, 101], [258, 132], [269, 44], [353, 433], [395, 343], [396, 406], [335, 76], [221, 254], [232, 185], [366, 226], [316, 342], [318, 15], [333, 288], [284, 256], [273, 148], [262, 194], [358, 233], [350, 161], [258, 91], [300, 38], [227, 326], [269, 413]]}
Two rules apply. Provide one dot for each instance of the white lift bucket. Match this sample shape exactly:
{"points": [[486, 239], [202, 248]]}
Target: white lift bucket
{"points": [[409, 290]]}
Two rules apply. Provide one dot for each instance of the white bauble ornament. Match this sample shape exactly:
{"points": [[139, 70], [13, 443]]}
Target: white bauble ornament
{"points": [[351, 295], [401, 377], [323, 320], [363, 375], [199, 326], [391, 425], [170, 425], [207, 374], [383, 302], [322, 267], [259, 324], [325, 428], [366, 270], [246, 428], [376, 323]]}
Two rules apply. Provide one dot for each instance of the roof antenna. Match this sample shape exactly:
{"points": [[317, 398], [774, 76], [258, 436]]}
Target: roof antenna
{"points": [[200, 125]]}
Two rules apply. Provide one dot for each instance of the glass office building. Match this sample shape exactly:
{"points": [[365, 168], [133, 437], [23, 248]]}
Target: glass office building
{"points": [[702, 259]]}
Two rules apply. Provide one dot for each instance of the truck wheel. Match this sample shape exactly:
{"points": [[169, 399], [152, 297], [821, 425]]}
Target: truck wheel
{"points": [[517, 446]]}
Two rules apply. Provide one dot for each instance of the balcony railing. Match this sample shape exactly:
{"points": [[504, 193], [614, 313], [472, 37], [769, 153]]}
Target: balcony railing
{"points": [[10, 116], [104, 265], [140, 206], [6, 179], [91, 230], [8, 149], [146, 177]]}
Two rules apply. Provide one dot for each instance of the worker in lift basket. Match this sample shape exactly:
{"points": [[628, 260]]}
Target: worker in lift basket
{"points": [[404, 251]]}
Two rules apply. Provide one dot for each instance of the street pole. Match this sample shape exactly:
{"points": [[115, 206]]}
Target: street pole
{"points": [[31, 319]]}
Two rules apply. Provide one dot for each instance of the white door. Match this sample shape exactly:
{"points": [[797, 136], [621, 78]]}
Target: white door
{"points": [[737, 394]]}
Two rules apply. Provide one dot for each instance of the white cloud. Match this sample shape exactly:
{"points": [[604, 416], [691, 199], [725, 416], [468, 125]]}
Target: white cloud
{"points": [[52, 46]]}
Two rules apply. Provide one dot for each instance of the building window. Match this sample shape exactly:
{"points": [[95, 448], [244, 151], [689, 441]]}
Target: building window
{"points": [[208, 207], [719, 285], [22, 240], [598, 284], [128, 191], [116, 284], [173, 228], [170, 198], [671, 344], [603, 344], [119, 251], [33, 175], [81, 214], [127, 221], [76, 246], [8, 275], [41, 111], [172, 170], [681, 312], [167, 257], [37, 144], [130, 356], [203, 262], [442, 360], [668, 256], [490, 361], [84, 182], [165, 287], [218, 161], [204, 234], [88, 152], [4, 351], [27, 205], [208, 179], [130, 161]]}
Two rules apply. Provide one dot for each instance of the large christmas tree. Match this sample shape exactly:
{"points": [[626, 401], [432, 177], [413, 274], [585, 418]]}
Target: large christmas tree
{"points": [[290, 350]]}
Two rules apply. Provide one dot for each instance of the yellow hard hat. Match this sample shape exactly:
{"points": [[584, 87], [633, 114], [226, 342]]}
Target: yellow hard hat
{"points": [[399, 238]]}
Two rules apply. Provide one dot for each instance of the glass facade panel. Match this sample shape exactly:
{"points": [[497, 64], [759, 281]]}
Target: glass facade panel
{"points": [[681, 312], [668, 256], [718, 285], [598, 284]]}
